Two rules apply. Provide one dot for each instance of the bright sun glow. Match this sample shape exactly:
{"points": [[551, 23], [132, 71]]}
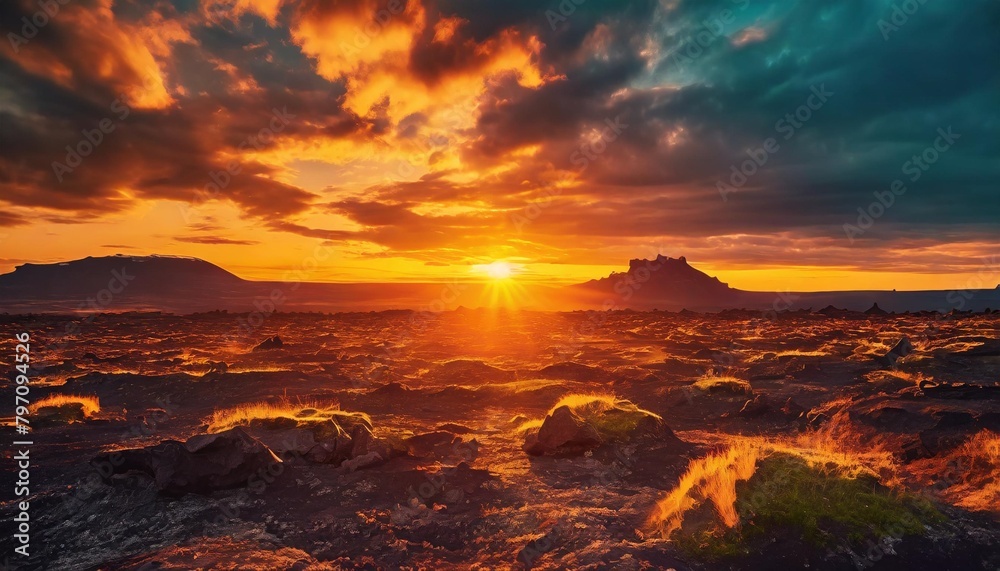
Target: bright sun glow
{"points": [[497, 270]]}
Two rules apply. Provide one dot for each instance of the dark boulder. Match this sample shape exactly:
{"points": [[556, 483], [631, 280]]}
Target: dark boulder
{"points": [[425, 444], [216, 369], [391, 391], [269, 344], [334, 451], [455, 428], [563, 431], [792, 409], [442, 446], [901, 349], [757, 407], [203, 464], [368, 450], [56, 415]]}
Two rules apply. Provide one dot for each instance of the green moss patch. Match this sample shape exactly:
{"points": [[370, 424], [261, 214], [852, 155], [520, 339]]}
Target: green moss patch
{"points": [[786, 499]]}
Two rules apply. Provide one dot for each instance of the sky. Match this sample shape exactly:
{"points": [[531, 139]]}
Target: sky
{"points": [[783, 145]]}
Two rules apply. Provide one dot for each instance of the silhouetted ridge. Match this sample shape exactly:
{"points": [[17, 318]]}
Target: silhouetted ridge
{"points": [[876, 310], [119, 274], [664, 281]]}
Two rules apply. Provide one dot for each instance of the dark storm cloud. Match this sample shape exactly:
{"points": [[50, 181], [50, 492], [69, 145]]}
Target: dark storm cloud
{"points": [[889, 98]]}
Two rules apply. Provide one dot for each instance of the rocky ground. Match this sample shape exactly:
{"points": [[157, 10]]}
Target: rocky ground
{"points": [[461, 457]]}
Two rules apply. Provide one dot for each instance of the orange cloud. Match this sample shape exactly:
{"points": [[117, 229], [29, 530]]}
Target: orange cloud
{"points": [[394, 52], [106, 53], [345, 38]]}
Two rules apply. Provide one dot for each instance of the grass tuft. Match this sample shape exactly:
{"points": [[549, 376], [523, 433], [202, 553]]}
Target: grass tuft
{"points": [[243, 414], [727, 384], [614, 418], [91, 405]]}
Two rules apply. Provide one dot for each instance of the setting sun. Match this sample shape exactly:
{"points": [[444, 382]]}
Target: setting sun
{"points": [[498, 270]]}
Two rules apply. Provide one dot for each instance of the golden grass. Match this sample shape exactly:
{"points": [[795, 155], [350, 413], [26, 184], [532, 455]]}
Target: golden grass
{"points": [[613, 417], [712, 478], [588, 404], [727, 383], [243, 414], [982, 489], [91, 405], [888, 375], [969, 476], [526, 385], [801, 353], [529, 425]]}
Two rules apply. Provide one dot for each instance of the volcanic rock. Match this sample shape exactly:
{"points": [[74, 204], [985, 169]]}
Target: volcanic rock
{"points": [[428, 443], [454, 428], [203, 464], [959, 391], [269, 344], [334, 451], [364, 443], [831, 311], [792, 409], [289, 437], [892, 419], [55, 415], [876, 310], [562, 431], [952, 429], [362, 461], [216, 368], [758, 406], [391, 390], [901, 349]]}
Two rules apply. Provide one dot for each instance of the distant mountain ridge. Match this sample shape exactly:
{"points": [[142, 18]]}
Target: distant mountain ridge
{"points": [[120, 282], [672, 284], [90, 273], [186, 285]]}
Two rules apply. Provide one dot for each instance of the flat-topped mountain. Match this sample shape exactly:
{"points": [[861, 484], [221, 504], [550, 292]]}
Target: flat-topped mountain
{"points": [[122, 283], [662, 282], [117, 273]]}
